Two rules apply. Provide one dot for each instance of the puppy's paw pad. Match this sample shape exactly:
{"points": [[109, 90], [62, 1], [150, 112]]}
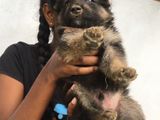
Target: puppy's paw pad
{"points": [[111, 115], [124, 75], [128, 73], [94, 34]]}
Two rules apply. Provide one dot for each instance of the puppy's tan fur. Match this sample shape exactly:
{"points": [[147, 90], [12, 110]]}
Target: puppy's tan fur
{"points": [[101, 95]]}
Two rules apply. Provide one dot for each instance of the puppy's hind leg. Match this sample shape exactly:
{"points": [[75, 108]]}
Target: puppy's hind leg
{"points": [[114, 63]]}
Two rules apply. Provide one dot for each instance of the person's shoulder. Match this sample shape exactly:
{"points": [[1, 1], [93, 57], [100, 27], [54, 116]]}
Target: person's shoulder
{"points": [[22, 46], [19, 48], [17, 58], [20, 51], [19, 45]]}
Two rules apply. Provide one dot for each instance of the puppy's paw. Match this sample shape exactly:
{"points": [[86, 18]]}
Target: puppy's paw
{"points": [[110, 115], [93, 36], [124, 75]]}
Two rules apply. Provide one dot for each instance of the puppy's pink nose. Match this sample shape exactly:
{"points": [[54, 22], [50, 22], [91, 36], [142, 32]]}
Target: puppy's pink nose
{"points": [[76, 10]]}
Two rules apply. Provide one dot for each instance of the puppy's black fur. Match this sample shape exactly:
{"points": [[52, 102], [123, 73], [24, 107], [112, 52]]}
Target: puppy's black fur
{"points": [[113, 77]]}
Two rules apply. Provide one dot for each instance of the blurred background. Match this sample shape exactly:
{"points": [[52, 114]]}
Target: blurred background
{"points": [[139, 24]]}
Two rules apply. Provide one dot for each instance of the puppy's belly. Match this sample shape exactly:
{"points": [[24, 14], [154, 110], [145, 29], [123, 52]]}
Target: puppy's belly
{"points": [[111, 100]]}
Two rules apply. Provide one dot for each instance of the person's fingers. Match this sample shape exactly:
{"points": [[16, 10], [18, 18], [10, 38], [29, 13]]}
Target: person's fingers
{"points": [[83, 70], [70, 90], [86, 60], [71, 106]]}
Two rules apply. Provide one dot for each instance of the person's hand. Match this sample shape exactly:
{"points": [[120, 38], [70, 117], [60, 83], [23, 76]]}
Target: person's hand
{"points": [[57, 68], [71, 106]]}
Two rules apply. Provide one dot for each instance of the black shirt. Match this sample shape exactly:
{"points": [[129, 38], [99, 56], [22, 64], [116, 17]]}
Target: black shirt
{"points": [[20, 61]]}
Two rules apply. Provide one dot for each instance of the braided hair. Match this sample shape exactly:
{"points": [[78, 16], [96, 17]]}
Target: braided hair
{"points": [[44, 31], [43, 37], [44, 49]]}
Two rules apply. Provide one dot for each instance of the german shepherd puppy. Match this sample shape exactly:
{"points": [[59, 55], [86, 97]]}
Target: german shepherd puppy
{"points": [[84, 26]]}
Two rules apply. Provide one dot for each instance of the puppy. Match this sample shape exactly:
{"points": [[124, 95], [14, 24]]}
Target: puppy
{"points": [[84, 26]]}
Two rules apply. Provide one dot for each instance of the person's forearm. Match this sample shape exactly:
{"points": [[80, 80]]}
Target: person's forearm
{"points": [[36, 101]]}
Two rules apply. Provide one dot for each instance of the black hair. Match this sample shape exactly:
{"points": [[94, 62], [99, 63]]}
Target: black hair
{"points": [[43, 37], [44, 31]]}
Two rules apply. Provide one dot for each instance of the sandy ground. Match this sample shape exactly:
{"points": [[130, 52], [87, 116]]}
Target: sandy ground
{"points": [[138, 22]]}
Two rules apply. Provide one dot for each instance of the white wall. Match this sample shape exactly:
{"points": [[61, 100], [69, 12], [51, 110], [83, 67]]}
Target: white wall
{"points": [[139, 24], [18, 22]]}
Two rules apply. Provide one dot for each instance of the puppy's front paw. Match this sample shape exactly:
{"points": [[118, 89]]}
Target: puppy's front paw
{"points": [[93, 36], [110, 115], [124, 75]]}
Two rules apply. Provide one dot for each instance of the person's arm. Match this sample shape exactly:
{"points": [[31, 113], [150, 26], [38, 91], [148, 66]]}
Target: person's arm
{"points": [[11, 94], [36, 101]]}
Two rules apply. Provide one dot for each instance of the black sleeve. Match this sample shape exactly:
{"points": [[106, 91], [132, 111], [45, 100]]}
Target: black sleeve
{"points": [[11, 63]]}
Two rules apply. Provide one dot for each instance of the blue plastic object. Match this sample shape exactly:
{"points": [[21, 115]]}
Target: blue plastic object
{"points": [[61, 110]]}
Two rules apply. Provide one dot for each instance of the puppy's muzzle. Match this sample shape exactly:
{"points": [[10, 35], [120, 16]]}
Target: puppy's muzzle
{"points": [[76, 10]]}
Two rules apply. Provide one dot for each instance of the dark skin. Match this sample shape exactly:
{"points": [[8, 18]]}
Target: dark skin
{"points": [[12, 104]]}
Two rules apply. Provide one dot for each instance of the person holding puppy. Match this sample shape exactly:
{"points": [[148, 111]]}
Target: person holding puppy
{"points": [[28, 74]]}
